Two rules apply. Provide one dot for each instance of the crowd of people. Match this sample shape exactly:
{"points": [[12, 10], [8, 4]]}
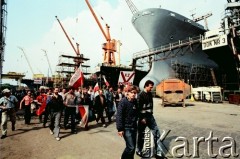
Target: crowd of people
{"points": [[133, 110], [53, 104]]}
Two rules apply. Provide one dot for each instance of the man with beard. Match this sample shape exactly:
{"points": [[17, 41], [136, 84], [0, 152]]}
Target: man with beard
{"points": [[54, 108]]}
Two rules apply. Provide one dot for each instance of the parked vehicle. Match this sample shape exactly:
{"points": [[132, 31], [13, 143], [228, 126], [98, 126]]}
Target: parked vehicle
{"points": [[173, 91]]}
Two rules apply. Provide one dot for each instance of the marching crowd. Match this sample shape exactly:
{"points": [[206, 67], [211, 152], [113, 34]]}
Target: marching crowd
{"points": [[133, 109]]}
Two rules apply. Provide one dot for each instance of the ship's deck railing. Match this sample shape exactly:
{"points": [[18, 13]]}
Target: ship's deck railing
{"points": [[168, 47]]}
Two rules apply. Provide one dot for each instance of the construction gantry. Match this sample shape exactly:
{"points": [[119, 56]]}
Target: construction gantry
{"points": [[3, 20]]}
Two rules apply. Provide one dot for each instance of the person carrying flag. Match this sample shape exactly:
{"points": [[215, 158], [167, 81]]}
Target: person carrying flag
{"points": [[70, 109], [42, 102]]}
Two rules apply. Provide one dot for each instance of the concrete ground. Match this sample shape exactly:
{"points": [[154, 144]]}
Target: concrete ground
{"points": [[214, 124]]}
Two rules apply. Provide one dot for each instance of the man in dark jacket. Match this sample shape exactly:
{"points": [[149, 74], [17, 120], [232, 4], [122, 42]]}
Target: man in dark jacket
{"points": [[100, 106], [146, 118], [54, 108], [126, 121]]}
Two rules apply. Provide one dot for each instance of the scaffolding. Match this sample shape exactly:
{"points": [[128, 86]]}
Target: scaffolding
{"points": [[66, 67], [181, 69], [3, 19], [200, 75], [194, 74]]}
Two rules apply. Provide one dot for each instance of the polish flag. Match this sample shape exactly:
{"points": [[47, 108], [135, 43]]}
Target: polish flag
{"points": [[77, 78], [106, 82], [96, 88], [43, 99], [41, 109], [83, 109]]}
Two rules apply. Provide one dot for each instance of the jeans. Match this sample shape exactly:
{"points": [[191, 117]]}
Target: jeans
{"points": [[110, 111], [151, 123], [12, 113], [130, 135], [55, 122]]}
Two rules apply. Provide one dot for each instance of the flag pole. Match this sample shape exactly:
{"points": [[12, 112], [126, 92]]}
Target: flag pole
{"points": [[100, 80], [80, 65]]}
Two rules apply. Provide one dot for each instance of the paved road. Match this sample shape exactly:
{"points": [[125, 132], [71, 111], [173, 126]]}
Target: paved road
{"points": [[198, 121]]}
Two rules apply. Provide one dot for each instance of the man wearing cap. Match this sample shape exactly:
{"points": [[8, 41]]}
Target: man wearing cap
{"points": [[7, 106]]}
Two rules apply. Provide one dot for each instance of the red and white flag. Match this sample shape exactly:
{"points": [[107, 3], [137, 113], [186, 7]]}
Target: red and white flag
{"points": [[106, 82], [83, 109], [96, 87], [77, 78]]}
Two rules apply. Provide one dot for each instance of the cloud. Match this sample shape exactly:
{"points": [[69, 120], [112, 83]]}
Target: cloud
{"points": [[85, 31]]}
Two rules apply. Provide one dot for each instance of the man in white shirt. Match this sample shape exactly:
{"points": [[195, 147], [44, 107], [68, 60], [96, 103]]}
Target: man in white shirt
{"points": [[7, 106]]}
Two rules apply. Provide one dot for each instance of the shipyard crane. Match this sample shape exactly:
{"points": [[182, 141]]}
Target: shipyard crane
{"points": [[27, 59], [131, 6], [109, 47], [203, 17], [77, 51], [45, 53]]}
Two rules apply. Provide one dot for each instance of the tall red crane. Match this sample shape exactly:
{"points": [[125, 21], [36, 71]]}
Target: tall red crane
{"points": [[110, 47]]}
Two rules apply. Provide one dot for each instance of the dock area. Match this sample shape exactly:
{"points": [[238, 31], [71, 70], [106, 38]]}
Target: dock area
{"points": [[217, 123]]}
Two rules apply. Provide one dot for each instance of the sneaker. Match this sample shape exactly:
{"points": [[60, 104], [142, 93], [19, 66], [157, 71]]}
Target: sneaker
{"points": [[51, 132], [58, 138], [139, 153], [160, 156], [3, 136], [97, 120], [104, 125]]}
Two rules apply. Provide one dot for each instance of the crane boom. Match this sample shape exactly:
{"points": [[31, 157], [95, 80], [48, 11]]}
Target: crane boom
{"points": [[203, 17], [107, 37], [75, 50], [109, 47], [27, 59], [132, 7], [45, 53]]}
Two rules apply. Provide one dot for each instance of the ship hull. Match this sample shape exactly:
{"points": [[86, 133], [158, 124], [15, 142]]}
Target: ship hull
{"points": [[159, 27]]}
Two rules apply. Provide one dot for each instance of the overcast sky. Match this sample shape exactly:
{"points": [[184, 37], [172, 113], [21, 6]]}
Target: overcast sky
{"points": [[31, 25]]}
